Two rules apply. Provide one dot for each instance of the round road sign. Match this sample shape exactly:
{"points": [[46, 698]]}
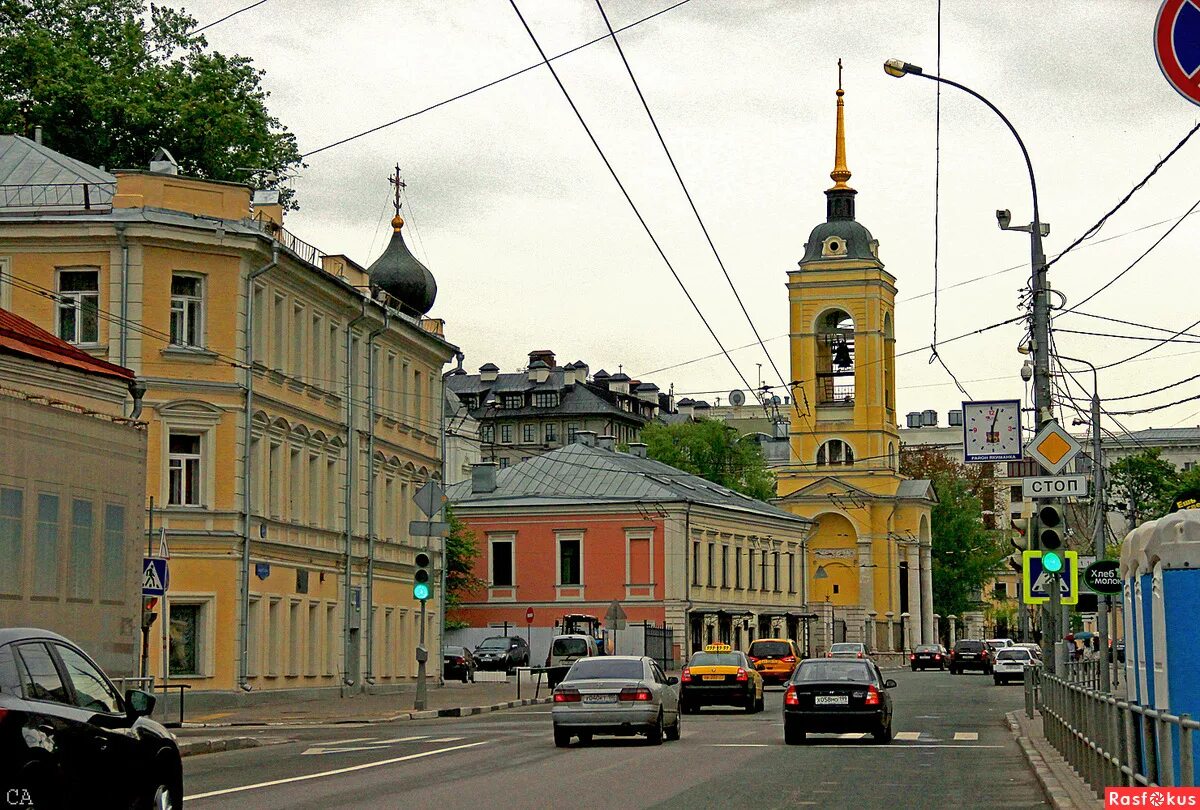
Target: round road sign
{"points": [[1177, 46], [529, 616]]}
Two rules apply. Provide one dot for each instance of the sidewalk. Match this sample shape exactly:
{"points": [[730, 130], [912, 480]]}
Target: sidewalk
{"points": [[1064, 788]]}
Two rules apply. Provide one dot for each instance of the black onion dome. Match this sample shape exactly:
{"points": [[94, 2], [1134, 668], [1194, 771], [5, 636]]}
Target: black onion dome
{"points": [[402, 276]]}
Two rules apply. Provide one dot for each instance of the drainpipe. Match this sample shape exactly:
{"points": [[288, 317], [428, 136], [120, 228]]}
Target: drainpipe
{"points": [[244, 608], [137, 390], [351, 448], [370, 636], [124, 295]]}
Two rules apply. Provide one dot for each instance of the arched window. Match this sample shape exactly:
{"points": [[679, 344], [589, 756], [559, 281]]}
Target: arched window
{"points": [[835, 358], [889, 364], [835, 452], [892, 455]]}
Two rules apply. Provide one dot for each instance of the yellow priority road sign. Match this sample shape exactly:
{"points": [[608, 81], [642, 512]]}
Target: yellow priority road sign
{"points": [[1036, 581], [1053, 447]]}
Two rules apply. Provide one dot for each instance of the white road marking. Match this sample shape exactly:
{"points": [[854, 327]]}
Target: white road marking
{"points": [[966, 735], [852, 735], [908, 736], [337, 771], [741, 745], [342, 742]]}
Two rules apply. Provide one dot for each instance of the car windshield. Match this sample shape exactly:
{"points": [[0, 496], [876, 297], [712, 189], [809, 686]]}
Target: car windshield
{"points": [[569, 646], [459, 651], [493, 644], [816, 671], [1012, 655], [845, 648], [770, 649], [703, 659], [604, 668], [926, 648]]}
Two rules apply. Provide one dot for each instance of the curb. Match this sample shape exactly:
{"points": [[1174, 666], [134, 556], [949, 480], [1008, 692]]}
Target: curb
{"points": [[428, 714], [190, 748], [1058, 796]]}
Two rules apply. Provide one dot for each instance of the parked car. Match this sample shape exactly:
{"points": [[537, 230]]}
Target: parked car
{"points": [[458, 664], [925, 656], [847, 650], [970, 654], [622, 695], [1010, 664], [774, 658], [69, 739], [837, 696], [504, 653]]}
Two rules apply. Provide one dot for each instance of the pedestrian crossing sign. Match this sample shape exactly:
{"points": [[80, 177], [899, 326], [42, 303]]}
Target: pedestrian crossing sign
{"points": [[155, 576], [1036, 581]]}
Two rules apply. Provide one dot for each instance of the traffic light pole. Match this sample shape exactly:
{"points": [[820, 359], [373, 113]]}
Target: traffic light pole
{"points": [[422, 657]]}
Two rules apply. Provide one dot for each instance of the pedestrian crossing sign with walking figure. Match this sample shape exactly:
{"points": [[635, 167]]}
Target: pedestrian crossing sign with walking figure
{"points": [[154, 576], [1036, 580]]}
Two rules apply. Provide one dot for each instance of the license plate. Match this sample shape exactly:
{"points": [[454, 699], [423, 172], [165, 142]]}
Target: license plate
{"points": [[831, 700], [599, 698], [965, 657], [713, 678]]}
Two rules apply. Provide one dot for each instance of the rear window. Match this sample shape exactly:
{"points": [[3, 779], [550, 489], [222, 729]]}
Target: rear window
{"points": [[703, 659], [926, 648], [852, 671], [593, 669], [845, 648], [969, 646], [569, 646], [453, 651], [770, 649], [1012, 654]]}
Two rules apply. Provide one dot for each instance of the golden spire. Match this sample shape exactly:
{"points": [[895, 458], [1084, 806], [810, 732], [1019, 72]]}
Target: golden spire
{"points": [[840, 173], [399, 185]]}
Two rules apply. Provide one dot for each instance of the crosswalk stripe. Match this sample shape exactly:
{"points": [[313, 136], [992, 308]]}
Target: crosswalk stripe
{"points": [[853, 735], [966, 735], [908, 736]]}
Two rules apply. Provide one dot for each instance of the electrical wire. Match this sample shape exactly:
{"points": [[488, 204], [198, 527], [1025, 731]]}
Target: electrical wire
{"points": [[1117, 336], [1129, 323], [1157, 345], [206, 26], [625, 193], [486, 86]]}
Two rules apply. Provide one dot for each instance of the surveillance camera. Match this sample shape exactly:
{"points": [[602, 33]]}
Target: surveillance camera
{"points": [[1027, 371], [1003, 217]]}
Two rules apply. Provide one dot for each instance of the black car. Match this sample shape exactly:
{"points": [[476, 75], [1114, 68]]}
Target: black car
{"points": [[458, 664], [832, 695], [68, 739], [1117, 649], [970, 654], [504, 653], [925, 656]]}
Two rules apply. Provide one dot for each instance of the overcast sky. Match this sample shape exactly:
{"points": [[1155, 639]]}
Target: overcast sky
{"points": [[534, 247]]}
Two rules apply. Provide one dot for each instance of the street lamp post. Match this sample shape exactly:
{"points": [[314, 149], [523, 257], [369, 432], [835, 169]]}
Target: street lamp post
{"points": [[1040, 329]]}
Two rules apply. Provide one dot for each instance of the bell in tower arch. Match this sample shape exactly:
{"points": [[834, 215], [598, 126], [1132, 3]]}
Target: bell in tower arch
{"points": [[841, 355]]}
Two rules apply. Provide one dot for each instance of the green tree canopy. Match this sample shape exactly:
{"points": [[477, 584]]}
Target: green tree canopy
{"points": [[462, 551], [714, 451], [111, 80], [1142, 485]]}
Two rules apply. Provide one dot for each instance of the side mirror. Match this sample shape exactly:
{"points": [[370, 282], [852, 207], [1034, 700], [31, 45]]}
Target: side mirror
{"points": [[889, 684], [671, 681], [138, 703]]}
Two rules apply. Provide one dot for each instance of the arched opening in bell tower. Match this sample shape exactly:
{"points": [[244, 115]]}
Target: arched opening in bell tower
{"points": [[889, 365], [835, 358]]}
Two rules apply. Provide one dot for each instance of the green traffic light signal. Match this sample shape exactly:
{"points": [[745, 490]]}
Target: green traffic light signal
{"points": [[421, 591], [421, 576], [1052, 562]]}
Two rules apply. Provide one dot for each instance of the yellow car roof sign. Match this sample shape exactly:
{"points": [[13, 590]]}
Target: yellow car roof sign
{"points": [[717, 648]]}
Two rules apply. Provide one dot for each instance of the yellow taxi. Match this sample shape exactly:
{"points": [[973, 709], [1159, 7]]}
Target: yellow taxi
{"points": [[720, 676], [774, 658]]}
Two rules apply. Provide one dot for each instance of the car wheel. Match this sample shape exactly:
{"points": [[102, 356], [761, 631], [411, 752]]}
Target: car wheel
{"points": [[883, 734], [585, 738], [997, 681], [465, 676], [914, 668], [942, 667], [675, 731], [655, 735], [762, 702], [793, 733], [562, 737], [751, 705]]}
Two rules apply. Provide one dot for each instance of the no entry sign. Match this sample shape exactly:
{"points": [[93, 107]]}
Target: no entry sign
{"points": [[1177, 46]]}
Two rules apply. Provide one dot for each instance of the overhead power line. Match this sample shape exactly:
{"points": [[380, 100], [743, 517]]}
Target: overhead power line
{"points": [[206, 26]]}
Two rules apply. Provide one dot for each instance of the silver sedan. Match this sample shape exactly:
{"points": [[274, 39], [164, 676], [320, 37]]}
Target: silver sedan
{"points": [[622, 695]]}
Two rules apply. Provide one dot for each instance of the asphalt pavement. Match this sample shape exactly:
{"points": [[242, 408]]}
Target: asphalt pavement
{"points": [[952, 749]]}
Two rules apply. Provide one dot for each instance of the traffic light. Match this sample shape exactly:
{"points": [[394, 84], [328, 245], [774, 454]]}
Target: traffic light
{"points": [[1020, 533], [148, 614], [1050, 536], [421, 577]]}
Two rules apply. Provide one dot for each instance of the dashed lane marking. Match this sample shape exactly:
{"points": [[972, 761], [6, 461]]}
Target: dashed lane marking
{"points": [[966, 735], [908, 736]]}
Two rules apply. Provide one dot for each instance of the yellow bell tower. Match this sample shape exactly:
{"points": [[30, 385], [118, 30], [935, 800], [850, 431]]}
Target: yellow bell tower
{"points": [[871, 547]]}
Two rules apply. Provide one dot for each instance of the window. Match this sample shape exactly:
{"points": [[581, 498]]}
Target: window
{"points": [[11, 523], [487, 433], [298, 341], [572, 429], [183, 469], [331, 496], [750, 570], [187, 310], [791, 572], [294, 646], [92, 690], [314, 634], [45, 559], [695, 562], [274, 635], [835, 452], [253, 637], [502, 563], [295, 485], [260, 322], [79, 582], [551, 433], [39, 677], [417, 404], [277, 331], [639, 561], [184, 639], [543, 399], [331, 628], [762, 583], [724, 566], [570, 563], [737, 568], [777, 572], [79, 306], [503, 463], [712, 550], [1001, 591], [506, 434], [114, 580], [527, 433], [318, 353], [512, 401]]}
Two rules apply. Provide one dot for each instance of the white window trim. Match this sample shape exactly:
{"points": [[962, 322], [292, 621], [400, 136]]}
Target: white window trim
{"points": [[559, 538], [200, 465], [206, 633], [58, 271], [197, 422], [200, 300], [504, 537]]}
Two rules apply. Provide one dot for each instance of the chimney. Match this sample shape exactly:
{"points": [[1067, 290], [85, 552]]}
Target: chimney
{"points": [[648, 392], [585, 437], [163, 163], [608, 443], [685, 407], [637, 449], [483, 477], [545, 355], [538, 371], [488, 372], [619, 383], [581, 371], [37, 135]]}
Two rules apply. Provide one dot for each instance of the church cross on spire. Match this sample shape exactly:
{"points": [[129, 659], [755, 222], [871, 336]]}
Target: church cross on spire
{"points": [[841, 172], [398, 185]]}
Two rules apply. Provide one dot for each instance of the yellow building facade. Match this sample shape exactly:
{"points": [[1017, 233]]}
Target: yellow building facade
{"points": [[870, 552], [294, 408]]}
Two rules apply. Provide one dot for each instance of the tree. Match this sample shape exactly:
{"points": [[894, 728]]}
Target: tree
{"points": [[462, 551], [110, 82], [1142, 485], [714, 451]]}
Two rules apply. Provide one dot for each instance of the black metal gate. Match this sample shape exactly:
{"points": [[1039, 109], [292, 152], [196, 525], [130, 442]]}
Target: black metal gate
{"points": [[659, 644]]}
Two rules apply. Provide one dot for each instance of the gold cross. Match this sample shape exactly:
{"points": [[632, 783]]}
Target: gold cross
{"points": [[839, 77], [399, 185]]}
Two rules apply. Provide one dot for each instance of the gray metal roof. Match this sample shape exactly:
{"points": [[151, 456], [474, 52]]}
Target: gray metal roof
{"points": [[916, 488], [33, 176], [579, 474], [575, 399], [1151, 436]]}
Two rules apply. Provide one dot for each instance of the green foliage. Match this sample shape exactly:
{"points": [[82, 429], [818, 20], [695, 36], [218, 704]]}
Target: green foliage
{"points": [[110, 81], [712, 450], [965, 553], [461, 553], [1142, 485]]}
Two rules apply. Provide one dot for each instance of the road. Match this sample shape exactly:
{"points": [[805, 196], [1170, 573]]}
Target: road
{"points": [[953, 749]]}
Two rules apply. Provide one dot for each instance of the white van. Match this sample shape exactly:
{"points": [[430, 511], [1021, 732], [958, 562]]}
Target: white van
{"points": [[566, 650]]}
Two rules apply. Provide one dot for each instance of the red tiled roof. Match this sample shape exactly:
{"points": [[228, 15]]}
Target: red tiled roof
{"points": [[19, 336]]}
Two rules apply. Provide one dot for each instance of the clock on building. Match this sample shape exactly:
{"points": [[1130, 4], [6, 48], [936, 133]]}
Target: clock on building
{"points": [[992, 431]]}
